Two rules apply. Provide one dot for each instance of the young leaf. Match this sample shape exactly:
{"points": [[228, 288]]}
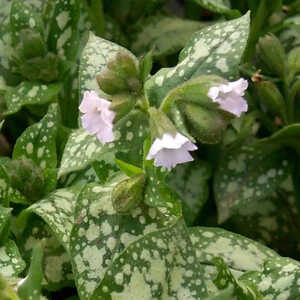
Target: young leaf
{"points": [[216, 49], [27, 93], [247, 174], [165, 35], [38, 143]]}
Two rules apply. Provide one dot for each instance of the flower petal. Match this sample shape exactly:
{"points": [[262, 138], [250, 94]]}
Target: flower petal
{"points": [[106, 135]]}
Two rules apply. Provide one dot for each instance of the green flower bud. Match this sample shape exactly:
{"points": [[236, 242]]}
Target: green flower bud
{"points": [[121, 75], [160, 124], [122, 104], [271, 97], [206, 125], [271, 55], [128, 194]]}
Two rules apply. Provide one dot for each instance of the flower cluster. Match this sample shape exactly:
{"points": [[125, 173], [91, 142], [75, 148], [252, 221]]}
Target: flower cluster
{"points": [[169, 149]]}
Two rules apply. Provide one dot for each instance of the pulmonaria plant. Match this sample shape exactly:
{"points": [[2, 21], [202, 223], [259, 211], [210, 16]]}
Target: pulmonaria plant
{"points": [[97, 118], [170, 150], [229, 96]]}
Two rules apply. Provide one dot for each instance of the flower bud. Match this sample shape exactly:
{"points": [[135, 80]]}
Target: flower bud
{"points": [[122, 104], [128, 193], [206, 125], [271, 55], [271, 97], [121, 75]]}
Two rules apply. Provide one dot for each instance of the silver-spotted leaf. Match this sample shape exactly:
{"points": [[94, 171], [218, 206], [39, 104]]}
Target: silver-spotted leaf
{"points": [[161, 265], [216, 49], [246, 174], [29, 93], [38, 143], [166, 35]]}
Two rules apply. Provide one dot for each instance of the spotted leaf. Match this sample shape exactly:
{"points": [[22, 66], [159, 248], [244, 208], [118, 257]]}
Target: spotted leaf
{"points": [[7, 192], [100, 234], [247, 174], [216, 49], [4, 221], [166, 35], [57, 268], [29, 93], [190, 182], [22, 17], [63, 36], [96, 54], [57, 211], [11, 262], [239, 253], [218, 6], [280, 279], [83, 149], [161, 265], [38, 143]]}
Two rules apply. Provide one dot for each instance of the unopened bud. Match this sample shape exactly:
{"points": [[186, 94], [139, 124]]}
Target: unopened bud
{"points": [[121, 75], [122, 104], [128, 193], [271, 97], [271, 55]]}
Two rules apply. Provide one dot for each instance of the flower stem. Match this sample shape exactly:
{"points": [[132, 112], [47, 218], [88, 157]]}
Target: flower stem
{"points": [[95, 10]]}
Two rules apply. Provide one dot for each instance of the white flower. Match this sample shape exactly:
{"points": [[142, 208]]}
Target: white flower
{"points": [[170, 151], [97, 117], [229, 96]]}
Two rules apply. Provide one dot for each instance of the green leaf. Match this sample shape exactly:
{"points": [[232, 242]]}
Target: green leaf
{"points": [[219, 6], [100, 234], [7, 192], [161, 265], [11, 262], [190, 181], [225, 278], [56, 263], [128, 169], [95, 56], [287, 136], [239, 253], [215, 50], [57, 211], [38, 143], [246, 174], [30, 93], [165, 35], [63, 38], [6, 290], [32, 284], [22, 17], [4, 222], [278, 280], [83, 149]]}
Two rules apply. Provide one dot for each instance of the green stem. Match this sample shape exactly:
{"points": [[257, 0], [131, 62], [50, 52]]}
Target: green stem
{"points": [[256, 27], [95, 10]]}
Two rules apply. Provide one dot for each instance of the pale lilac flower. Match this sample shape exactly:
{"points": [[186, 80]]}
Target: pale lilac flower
{"points": [[97, 117], [170, 150], [229, 96]]}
